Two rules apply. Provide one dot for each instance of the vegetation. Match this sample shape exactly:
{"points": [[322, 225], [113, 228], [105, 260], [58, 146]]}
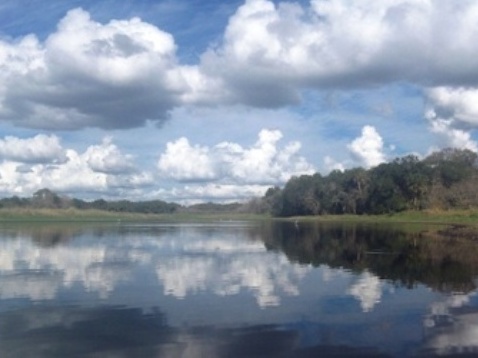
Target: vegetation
{"points": [[402, 188], [46, 205], [442, 181]]}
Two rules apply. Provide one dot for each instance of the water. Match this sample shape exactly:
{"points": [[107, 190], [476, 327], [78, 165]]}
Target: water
{"points": [[235, 289]]}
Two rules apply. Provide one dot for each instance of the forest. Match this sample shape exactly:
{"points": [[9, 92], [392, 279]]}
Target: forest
{"points": [[443, 180]]}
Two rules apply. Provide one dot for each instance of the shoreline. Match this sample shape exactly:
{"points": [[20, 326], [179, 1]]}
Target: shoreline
{"points": [[461, 217]]}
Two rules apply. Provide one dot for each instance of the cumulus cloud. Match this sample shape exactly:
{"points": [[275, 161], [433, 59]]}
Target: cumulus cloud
{"points": [[184, 162], [113, 75], [262, 163], [34, 163], [269, 52], [453, 137], [39, 149], [122, 73], [453, 113], [107, 158], [457, 103], [224, 172], [368, 148]]}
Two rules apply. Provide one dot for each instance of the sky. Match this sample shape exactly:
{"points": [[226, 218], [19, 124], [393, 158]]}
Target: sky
{"points": [[193, 101]]}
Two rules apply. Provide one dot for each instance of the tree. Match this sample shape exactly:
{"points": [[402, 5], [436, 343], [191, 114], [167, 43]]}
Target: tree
{"points": [[45, 198], [452, 165], [298, 197]]}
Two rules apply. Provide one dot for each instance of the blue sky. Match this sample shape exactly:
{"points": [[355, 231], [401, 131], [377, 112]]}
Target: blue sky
{"points": [[193, 101]]}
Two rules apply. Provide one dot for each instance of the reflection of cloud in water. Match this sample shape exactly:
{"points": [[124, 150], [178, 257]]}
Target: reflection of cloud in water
{"points": [[186, 261], [452, 326], [329, 274], [262, 274], [36, 285], [367, 289], [29, 271]]}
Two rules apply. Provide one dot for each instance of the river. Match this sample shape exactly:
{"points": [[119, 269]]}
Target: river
{"points": [[235, 289]]}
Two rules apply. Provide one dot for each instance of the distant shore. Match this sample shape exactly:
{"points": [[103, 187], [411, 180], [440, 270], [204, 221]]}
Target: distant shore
{"points": [[463, 217]]}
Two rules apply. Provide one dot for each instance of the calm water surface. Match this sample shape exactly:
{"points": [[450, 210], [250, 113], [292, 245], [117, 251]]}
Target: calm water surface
{"points": [[235, 289]]}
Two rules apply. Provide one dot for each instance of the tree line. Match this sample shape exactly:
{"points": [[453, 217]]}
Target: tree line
{"points": [[446, 179], [443, 180], [47, 199]]}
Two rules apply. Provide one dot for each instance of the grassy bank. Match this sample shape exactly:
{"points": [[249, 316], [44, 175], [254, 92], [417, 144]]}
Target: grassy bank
{"points": [[75, 215], [463, 217]]}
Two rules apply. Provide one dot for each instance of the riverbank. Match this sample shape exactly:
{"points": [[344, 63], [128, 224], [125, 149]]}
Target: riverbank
{"points": [[461, 217], [92, 215]]}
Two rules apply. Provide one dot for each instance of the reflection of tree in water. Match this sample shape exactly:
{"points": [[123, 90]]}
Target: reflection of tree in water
{"points": [[46, 234], [53, 234], [408, 259]]}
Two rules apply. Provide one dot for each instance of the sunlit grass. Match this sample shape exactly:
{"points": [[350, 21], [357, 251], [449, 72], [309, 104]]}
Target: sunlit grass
{"points": [[71, 214], [469, 217]]}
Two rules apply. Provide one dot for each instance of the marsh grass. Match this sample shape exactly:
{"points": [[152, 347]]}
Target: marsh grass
{"points": [[91, 215], [463, 217]]}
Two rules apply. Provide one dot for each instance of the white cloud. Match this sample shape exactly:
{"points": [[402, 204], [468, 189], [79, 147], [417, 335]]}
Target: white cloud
{"points": [[452, 113], [457, 103], [75, 174], [107, 158], [368, 148], [224, 172], [332, 164], [270, 52], [453, 137], [184, 162], [40, 162], [263, 163], [122, 73], [88, 74], [194, 193], [39, 149]]}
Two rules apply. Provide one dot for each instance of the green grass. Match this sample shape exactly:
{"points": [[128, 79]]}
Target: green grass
{"points": [[76, 215], [465, 217]]}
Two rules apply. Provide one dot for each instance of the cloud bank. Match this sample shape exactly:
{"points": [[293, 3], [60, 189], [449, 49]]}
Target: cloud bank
{"points": [[123, 73], [226, 171], [262, 163]]}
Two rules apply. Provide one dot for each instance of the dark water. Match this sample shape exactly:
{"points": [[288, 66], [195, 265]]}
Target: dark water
{"points": [[235, 289]]}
